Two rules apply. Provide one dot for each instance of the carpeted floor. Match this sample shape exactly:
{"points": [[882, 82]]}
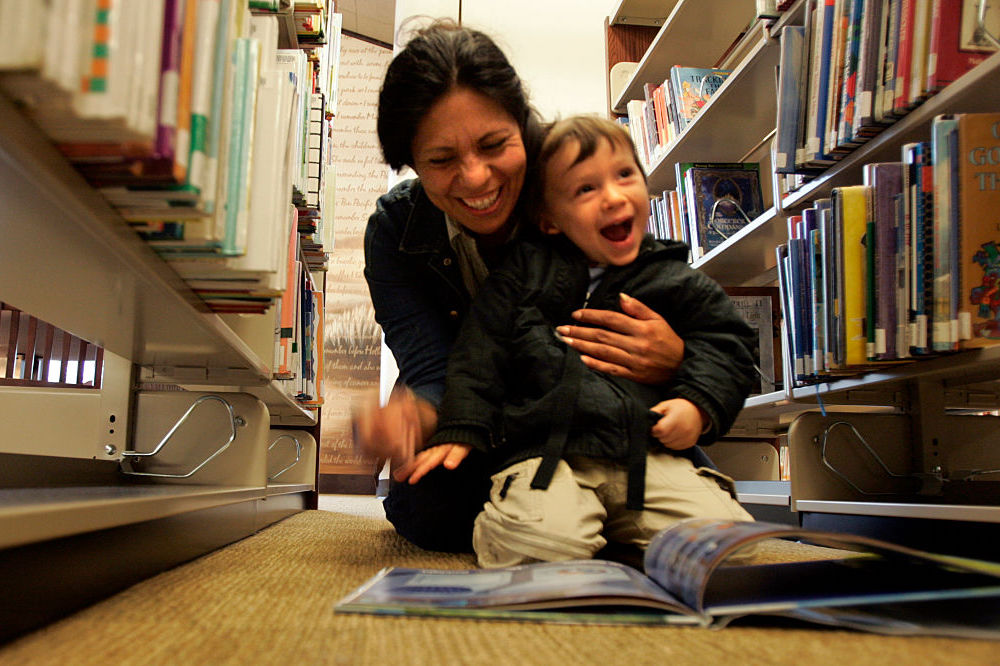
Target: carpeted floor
{"points": [[269, 600]]}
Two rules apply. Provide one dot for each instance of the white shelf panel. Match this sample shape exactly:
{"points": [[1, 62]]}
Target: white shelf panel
{"points": [[986, 514], [771, 493], [29, 515], [68, 258], [737, 118], [641, 12], [970, 367], [687, 39], [978, 90], [747, 257], [287, 488], [283, 409]]}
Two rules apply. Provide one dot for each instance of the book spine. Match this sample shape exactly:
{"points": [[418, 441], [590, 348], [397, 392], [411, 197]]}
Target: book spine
{"points": [[817, 302], [921, 38], [815, 152], [852, 56], [853, 214], [904, 57], [943, 336], [170, 65], [789, 96], [783, 263], [870, 56], [888, 85], [838, 43], [201, 92]]}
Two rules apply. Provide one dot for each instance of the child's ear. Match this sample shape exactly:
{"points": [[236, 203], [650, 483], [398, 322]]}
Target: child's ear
{"points": [[545, 224]]}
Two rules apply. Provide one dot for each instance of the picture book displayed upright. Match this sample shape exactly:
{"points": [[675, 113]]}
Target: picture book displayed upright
{"points": [[722, 198], [956, 43], [708, 573], [692, 89], [761, 308], [978, 250]]}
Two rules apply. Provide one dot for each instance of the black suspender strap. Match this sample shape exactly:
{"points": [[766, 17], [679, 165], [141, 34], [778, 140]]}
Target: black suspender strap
{"points": [[563, 405]]}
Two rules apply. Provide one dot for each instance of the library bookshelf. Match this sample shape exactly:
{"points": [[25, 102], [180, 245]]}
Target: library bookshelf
{"points": [[908, 449], [187, 443]]}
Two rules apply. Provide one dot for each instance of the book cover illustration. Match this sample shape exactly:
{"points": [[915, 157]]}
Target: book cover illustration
{"points": [[979, 229], [693, 87], [760, 307], [725, 201], [957, 40]]}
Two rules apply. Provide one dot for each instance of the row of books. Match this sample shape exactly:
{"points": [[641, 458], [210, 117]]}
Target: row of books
{"points": [[191, 121], [223, 165], [669, 107], [713, 201], [298, 339], [856, 66], [902, 266]]}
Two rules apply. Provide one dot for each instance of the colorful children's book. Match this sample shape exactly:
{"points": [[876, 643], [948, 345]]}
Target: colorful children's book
{"points": [[979, 230], [701, 572], [724, 198], [693, 87]]}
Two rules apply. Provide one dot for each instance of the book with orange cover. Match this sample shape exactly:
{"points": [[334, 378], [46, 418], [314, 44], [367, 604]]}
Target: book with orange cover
{"points": [[979, 229]]}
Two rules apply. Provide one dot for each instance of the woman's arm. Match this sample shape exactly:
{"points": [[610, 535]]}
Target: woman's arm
{"points": [[417, 331], [638, 345]]}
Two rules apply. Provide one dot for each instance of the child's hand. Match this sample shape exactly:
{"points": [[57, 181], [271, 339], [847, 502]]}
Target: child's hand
{"points": [[682, 423], [448, 455]]}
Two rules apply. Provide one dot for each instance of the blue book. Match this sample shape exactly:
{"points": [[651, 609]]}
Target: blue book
{"points": [[819, 85], [798, 258], [790, 96], [787, 314]]}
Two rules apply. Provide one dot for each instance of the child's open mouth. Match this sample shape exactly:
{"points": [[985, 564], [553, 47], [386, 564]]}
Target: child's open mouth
{"points": [[616, 233]]}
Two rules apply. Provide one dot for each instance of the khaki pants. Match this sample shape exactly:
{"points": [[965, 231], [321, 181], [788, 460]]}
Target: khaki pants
{"points": [[584, 507]]}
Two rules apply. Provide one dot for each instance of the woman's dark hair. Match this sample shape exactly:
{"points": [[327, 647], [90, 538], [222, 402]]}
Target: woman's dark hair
{"points": [[440, 57]]}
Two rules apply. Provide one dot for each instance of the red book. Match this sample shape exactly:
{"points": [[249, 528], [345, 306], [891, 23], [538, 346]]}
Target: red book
{"points": [[904, 57], [950, 54]]}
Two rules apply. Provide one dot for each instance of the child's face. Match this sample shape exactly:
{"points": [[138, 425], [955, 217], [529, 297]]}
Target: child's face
{"points": [[601, 203]]}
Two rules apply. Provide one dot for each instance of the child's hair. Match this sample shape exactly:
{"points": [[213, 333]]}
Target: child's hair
{"points": [[587, 131]]}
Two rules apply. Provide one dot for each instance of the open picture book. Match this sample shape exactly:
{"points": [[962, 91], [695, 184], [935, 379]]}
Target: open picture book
{"points": [[702, 572]]}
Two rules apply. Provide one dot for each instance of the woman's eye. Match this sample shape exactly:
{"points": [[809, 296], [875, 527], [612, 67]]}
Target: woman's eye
{"points": [[494, 145], [439, 161]]}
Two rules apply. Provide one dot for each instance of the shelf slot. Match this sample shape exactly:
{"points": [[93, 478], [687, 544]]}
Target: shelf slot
{"points": [[298, 454], [129, 457]]}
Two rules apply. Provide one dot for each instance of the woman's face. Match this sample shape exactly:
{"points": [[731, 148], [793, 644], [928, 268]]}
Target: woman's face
{"points": [[469, 154]]}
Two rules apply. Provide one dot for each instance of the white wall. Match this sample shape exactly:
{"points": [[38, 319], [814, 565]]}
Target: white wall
{"points": [[556, 46]]}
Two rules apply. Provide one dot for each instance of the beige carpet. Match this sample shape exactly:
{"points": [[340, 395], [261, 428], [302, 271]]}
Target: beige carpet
{"points": [[269, 600]]}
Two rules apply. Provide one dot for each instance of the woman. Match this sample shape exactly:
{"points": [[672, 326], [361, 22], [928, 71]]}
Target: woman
{"points": [[454, 110]]}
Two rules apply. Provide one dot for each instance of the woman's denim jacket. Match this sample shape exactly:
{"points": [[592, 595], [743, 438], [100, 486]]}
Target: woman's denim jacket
{"points": [[415, 285]]}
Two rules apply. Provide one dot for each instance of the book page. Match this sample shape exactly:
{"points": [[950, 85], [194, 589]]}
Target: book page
{"points": [[533, 586]]}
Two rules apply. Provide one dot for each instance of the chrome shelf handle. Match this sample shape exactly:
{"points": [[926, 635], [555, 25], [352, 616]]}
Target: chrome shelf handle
{"points": [[128, 457], [298, 455]]}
